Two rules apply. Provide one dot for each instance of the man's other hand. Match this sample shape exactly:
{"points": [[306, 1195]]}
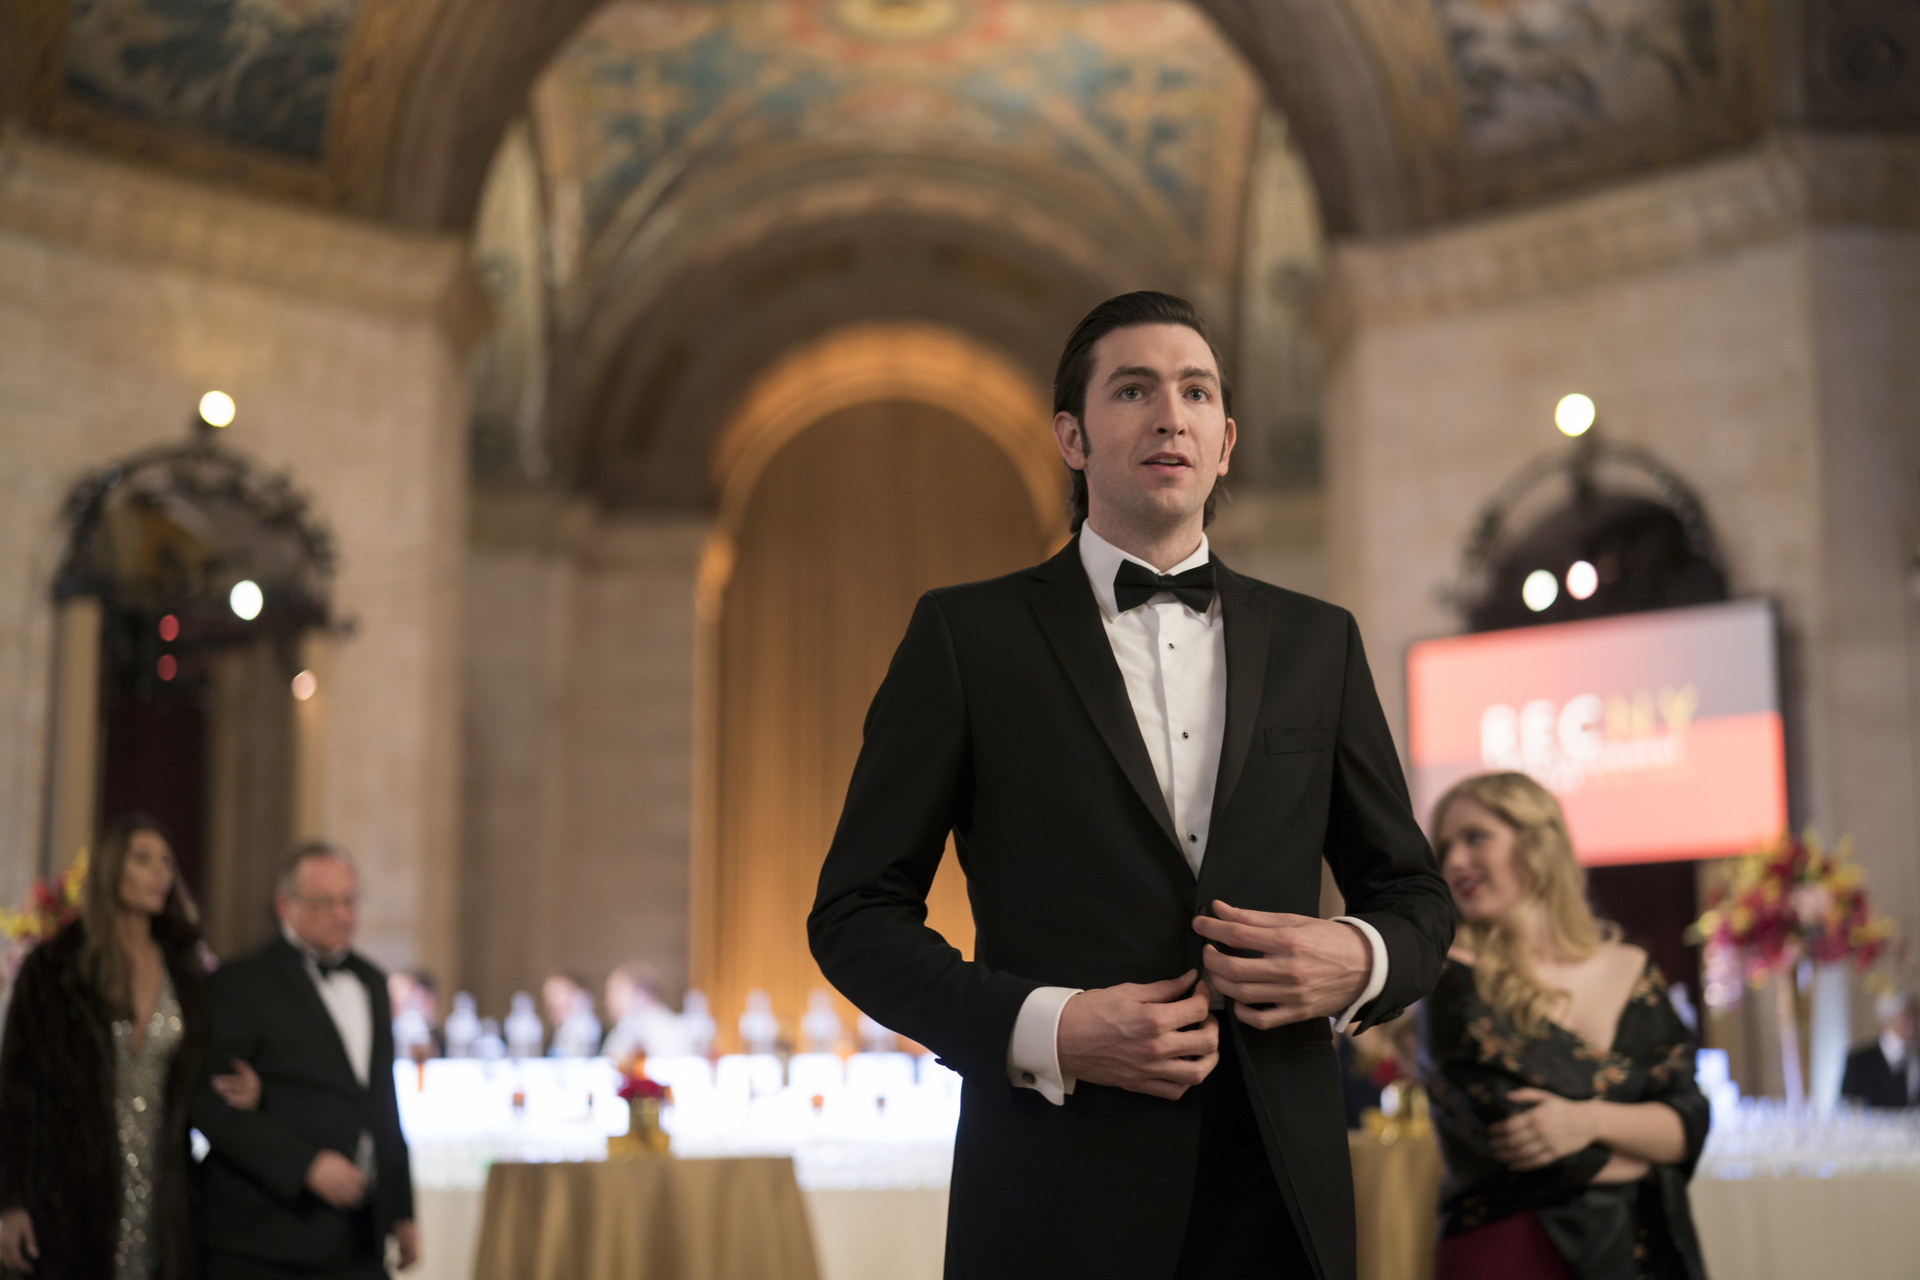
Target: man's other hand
{"points": [[334, 1179], [1304, 968], [407, 1237], [1149, 1037]]}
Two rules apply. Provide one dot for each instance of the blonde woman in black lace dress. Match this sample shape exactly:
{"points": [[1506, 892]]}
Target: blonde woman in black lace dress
{"points": [[102, 1041], [1560, 1076]]}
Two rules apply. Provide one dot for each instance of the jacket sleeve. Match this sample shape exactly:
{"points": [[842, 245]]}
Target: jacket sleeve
{"points": [[1380, 858], [396, 1166], [257, 1142], [868, 927], [24, 1080]]}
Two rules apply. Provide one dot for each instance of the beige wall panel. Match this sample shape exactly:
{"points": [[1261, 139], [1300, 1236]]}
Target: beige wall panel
{"points": [[578, 738], [106, 345]]}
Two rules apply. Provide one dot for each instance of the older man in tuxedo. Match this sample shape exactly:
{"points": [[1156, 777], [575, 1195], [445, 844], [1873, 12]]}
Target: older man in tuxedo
{"points": [[311, 1184], [1143, 759]]}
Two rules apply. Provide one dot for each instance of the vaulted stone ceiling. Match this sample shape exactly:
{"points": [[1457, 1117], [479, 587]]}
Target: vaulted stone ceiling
{"points": [[1407, 111]]}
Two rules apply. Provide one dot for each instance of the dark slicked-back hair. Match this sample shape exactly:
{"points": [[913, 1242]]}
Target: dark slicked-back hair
{"points": [[1076, 366]]}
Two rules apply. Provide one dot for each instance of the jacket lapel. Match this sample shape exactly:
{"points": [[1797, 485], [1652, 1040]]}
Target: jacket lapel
{"points": [[293, 967], [1071, 619], [1249, 627]]}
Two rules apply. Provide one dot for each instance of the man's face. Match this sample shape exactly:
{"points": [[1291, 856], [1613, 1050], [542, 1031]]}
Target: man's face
{"points": [[324, 908], [1155, 435]]}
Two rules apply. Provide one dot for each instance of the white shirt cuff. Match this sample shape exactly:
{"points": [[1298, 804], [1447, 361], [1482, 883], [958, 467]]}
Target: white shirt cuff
{"points": [[1376, 980], [1033, 1055]]}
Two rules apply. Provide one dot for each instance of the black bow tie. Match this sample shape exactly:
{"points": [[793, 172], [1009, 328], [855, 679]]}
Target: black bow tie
{"points": [[1135, 584], [328, 968]]}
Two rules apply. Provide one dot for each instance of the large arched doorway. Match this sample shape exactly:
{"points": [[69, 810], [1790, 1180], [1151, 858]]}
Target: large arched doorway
{"points": [[837, 527]]}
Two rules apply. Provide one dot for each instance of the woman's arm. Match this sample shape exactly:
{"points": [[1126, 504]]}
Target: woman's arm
{"points": [[1649, 1131], [1553, 1127]]}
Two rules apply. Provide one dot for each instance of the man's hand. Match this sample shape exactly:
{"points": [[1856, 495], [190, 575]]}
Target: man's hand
{"points": [[1148, 1037], [240, 1090], [17, 1246], [1552, 1128], [1305, 967], [407, 1236], [334, 1179]]}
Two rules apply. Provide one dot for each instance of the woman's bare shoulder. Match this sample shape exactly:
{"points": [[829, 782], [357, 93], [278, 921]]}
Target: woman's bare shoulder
{"points": [[1461, 954]]}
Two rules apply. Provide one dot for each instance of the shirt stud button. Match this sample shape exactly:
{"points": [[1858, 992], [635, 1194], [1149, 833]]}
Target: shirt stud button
{"points": [[1027, 1076], [1192, 838], [1183, 735], [1169, 644]]}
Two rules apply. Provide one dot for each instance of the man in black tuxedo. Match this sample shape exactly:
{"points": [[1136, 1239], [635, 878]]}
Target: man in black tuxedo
{"points": [[313, 1182], [1142, 772], [1886, 1073]]}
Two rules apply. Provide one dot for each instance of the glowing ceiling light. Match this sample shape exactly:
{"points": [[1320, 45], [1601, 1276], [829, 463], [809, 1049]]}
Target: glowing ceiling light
{"points": [[216, 408], [246, 599], [305, 685], [1574, 414], [1582, 580], [1540, 590]]}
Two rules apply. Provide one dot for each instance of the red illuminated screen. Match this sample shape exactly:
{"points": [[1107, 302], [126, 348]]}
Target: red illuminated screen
{"points": [[1659, 732]]}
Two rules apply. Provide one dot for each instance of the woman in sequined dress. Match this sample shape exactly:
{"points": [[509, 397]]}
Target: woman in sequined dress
{"points": [[1561, 1078], [102, 1041]]}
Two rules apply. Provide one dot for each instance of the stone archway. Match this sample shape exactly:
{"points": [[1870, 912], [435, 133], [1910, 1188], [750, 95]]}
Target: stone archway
{"points": [[859, 472]]}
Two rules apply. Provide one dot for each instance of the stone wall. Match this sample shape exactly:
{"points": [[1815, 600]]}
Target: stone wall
{"points": [[123, 296], [578, 744]]}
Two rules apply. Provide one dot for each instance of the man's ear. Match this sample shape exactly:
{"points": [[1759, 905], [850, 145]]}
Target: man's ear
{"points": [[1071, 438], [1226, 446]]}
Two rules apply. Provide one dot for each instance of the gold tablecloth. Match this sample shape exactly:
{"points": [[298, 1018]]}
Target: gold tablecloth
{"points": [[1395, 1189], [651, 1218]]}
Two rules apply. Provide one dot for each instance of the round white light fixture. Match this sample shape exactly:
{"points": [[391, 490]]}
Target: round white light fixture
{"points": [[1574, 414], [305, 685], [246, 599], [216, 408], [1540, 590], [1582, 580]]}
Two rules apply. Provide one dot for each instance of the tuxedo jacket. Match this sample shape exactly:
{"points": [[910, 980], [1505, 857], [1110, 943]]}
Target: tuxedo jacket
{"points": [[265, 1010], [1004, 719], [1872, 1081]]}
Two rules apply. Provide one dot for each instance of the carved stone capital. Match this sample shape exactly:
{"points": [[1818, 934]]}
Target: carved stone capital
{"points": [[1788, 183]]}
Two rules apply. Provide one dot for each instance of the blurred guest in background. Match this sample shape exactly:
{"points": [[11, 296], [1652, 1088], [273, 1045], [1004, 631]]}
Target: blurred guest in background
{"points": [[313, 1182], [642, 1023], [103, 1040], [1886, 1073], [576, 1032], [1560, 1077], [416, 1014]]}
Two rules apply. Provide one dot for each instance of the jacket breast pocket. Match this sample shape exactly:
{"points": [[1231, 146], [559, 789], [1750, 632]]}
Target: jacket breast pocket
{"points": [[1280, 740]]}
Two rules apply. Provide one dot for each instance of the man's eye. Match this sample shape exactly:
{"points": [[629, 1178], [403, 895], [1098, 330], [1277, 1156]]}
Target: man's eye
{"points": [[1129, 393], [1196, 393]]}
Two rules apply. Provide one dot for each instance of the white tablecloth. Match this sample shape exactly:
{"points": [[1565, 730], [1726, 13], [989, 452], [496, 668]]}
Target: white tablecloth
{"points": [[1861, 1226]]}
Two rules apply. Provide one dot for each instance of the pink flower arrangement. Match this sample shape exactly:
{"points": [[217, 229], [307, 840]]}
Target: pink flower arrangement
{"points": [[1785, 902]]}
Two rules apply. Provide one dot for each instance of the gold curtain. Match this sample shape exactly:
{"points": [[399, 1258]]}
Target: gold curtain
{"points": [[851, 521]]}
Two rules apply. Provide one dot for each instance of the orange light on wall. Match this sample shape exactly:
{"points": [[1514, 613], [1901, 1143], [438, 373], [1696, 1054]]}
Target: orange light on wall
{"points": [[305, 685]]}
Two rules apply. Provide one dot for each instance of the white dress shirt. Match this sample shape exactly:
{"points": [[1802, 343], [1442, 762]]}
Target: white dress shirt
{"points": [[351, 1008], [1174, 662]]}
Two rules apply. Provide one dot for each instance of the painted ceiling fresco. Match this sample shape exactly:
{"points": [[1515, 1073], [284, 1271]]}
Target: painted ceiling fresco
{"points": [[1140, 93], [1547, 75], [255, 71]]}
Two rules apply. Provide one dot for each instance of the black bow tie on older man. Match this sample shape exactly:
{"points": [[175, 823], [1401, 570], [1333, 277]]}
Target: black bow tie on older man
{"points": [[1135, 584]]}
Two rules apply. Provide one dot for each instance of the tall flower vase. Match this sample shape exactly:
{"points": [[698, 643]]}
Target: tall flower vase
{"points": [[1828, 1034], [1786, 1012]]}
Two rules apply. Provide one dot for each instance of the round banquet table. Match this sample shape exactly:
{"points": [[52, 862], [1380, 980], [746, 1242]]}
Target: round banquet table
{"points": [[645, 1218]]}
